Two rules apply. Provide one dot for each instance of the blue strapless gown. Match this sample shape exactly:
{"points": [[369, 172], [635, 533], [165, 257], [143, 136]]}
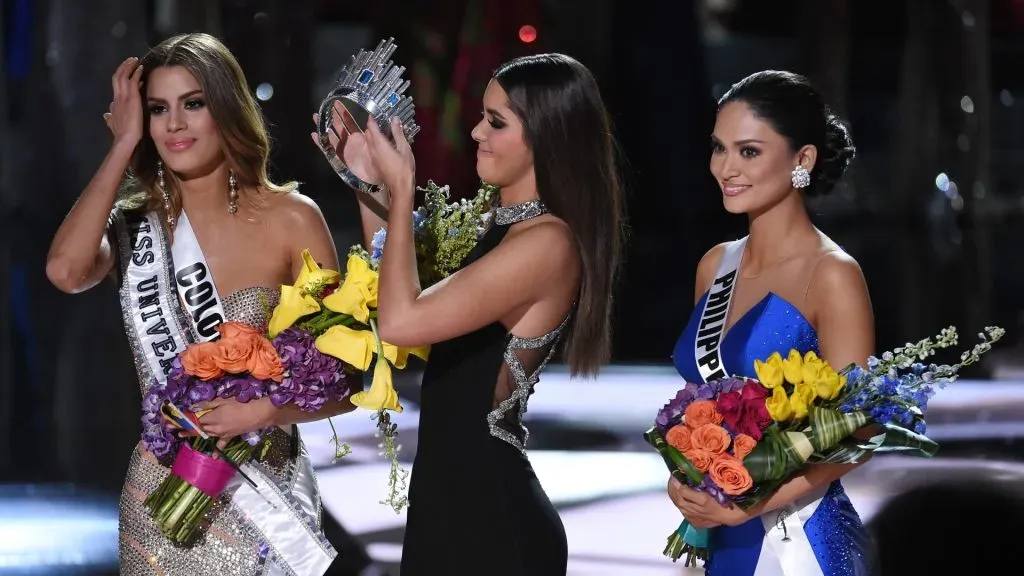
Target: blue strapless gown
{"points": [[834, 530]]}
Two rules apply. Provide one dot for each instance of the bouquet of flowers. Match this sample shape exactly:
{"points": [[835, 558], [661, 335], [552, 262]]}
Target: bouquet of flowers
{"points": [[738, 439], [320, 339], [445, 233]]}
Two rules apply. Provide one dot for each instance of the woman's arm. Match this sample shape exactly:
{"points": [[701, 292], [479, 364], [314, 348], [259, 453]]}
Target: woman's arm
{"points": [[519, 272], [80, 255]]}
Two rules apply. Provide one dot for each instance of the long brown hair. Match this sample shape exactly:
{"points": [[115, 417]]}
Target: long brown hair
{"points": [[244, 138], [575, 161]]}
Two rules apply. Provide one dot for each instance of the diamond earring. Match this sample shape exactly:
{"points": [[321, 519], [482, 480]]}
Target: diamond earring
{"points": [[163, 190], [232, 192], [801, 177]]}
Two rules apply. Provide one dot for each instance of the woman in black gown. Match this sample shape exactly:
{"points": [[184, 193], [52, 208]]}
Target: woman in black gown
{"points": [[543, 273]]}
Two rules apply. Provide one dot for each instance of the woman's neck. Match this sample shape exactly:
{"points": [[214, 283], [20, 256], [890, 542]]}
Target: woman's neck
{"points": [[522, 191], [207, 192], [778, 233]]}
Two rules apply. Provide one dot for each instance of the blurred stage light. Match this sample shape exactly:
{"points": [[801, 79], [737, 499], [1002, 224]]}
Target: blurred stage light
{"points": [[265, 91], [527, 33]]}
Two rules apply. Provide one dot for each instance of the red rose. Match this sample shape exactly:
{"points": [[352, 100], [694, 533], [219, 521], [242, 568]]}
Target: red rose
{"points": [[730, 406], [755, 419], [753, 390]]}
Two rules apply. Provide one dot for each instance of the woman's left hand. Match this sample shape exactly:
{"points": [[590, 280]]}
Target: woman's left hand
{"points": [[228, 417], [395, 163], [701, 510]]}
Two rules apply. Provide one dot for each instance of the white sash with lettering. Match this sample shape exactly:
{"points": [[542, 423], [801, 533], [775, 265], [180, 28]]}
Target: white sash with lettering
{"points": [[707, 345], [195, 284], [785, 550], [170, 301], [156, 325]]}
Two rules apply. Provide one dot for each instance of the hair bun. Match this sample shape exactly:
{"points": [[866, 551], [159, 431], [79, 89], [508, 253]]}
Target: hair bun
{"points": [[834, 158]]}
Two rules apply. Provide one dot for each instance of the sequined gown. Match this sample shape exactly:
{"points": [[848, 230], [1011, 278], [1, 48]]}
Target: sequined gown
{"points": [[476, 506], [229, 546], [837, 539]]}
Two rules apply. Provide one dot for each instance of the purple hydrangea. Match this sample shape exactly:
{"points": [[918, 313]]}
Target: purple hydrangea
{"points": [[159, 442], [712, 489], [311, 377], [672, 413], [241, 387]]}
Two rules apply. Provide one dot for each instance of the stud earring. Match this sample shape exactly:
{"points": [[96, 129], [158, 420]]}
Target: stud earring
{"points": [[232, 192], [801, 177], [163, 190]]}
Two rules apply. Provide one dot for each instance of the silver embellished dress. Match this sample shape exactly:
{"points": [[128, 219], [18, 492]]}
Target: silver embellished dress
{"points": [[230, 545]]}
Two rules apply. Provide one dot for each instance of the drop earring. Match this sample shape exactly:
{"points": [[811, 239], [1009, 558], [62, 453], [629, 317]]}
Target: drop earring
{"points": [[232, 192], [163, 190]]}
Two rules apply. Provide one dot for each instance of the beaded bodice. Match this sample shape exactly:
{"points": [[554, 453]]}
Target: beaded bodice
{"points": [[252, 306]]}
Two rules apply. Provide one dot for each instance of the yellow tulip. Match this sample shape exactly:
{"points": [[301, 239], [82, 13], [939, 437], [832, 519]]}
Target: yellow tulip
{"points": [[312, 275], [829, 384], [294, 304], [382, 394], [353, 347], [793, 368], [769, 372], [812, 365], [801, 398], [778, 405], [358, 293]]}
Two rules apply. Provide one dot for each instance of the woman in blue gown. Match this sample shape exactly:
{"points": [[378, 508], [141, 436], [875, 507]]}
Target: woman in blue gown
{"points": [[784, 286]]}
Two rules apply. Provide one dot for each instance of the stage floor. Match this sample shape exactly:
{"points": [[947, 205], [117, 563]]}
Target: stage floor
{"points": [[616, 515]]}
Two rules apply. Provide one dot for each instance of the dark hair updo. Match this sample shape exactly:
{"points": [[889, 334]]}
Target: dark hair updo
{"points": [[789, 103]]}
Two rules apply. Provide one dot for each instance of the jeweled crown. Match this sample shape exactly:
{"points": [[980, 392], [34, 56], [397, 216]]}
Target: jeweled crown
{"points": [[372, 82]]}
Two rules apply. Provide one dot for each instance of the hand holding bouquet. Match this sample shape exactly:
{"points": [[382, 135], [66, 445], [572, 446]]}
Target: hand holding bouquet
{"points": [[738, 439], [319, 341]]}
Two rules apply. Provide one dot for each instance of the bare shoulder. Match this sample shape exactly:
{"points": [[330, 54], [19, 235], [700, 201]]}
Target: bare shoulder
{"points": [[550, 235], [544, 251], [706, 269], [294, 208], [838, 270]]}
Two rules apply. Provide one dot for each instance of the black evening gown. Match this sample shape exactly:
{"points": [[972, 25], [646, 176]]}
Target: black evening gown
{"points": [[475, 504]]}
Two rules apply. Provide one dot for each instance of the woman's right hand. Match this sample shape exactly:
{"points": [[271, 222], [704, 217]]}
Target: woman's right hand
{"points": [[349, 144], [125, 118]]}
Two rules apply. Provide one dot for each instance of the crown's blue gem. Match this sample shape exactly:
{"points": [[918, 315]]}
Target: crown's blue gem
{"points": [[393, 99], [365, 77]]}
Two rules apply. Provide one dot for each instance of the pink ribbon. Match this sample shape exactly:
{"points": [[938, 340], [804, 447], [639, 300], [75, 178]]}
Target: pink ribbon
{"points": [[206, 473]]}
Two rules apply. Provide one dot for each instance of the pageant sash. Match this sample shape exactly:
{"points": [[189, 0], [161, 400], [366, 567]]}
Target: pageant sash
{"points": [[786, 549], [195, 284], [707, 345], [168, 306], [287, 518], [156, 325]]}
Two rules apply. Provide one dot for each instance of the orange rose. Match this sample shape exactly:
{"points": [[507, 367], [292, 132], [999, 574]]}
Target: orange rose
{"points": [[234, 330], [700, 413], [264, 363], [742, 445], [712, 438], [197, 360], [701, 459], [232, 354], [730, 475], [678, 437]]}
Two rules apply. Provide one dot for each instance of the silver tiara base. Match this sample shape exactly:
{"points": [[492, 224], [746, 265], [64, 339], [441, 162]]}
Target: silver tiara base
{"points": [[369, 87]]}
